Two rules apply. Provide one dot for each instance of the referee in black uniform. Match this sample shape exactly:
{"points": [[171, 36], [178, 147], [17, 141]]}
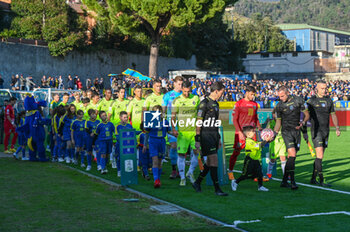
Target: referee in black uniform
{"points": [[321, 107], [208, 138], [288, 116]]}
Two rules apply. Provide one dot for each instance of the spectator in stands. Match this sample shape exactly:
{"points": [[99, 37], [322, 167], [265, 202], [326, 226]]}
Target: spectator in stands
{"points": [[79, 84], [1, 82], [70, 83]]}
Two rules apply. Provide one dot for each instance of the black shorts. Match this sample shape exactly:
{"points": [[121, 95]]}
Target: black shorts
{"points": [[320, 138], [292, 139], [251, 168], [209, 143]]}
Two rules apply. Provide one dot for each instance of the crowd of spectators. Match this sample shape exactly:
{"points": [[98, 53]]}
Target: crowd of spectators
{"points": [[234, 91]]}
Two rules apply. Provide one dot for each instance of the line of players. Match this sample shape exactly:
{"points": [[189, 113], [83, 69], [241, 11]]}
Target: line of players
{"points": [[291, 114]]}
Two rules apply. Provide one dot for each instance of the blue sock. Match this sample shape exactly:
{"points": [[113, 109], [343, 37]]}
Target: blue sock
{"points": [[65, 152], [54, 152], [98, 158], [77, 153], [173, 156], [71, 151], [23, 152], [155, 173], [82, 157], [159, 172], [103, 163], [18, 149], [118, 162], [89, 157]]}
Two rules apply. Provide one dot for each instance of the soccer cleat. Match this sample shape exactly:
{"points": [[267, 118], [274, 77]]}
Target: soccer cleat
{"points": [[263, 189], [88, 168], [75, 161], [230, 175], [15, 156], [314, 181], [60, 160], [114, 164], [197, 187], [269, 175], [183, 182], [82, 165], [173, 174], [54, 160], [25, 158], [294, 186], [12, 150], [157, 183], [67, 160], [220, 193], [103, 171], [234, 185], [99, 168], [323, 184], [8, 152], [119, 174], [285, 185], [190, 176]]}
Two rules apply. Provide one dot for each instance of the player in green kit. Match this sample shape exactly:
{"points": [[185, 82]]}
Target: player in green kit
{"points": [[156, 98], [134, 108], [65, 99], [106, 104], [184, 112], [94, 103], [118, 106], [77, 102], [85, 107]]}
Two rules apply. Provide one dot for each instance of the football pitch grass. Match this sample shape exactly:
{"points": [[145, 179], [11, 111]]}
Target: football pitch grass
{"points": [[267, 209]]}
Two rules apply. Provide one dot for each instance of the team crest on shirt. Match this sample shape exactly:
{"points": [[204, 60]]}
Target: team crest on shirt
{"points": [[291, 107], [323, 105], [254, 107], [194, 103]]}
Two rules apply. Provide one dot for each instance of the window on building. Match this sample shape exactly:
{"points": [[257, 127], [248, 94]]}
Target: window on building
{"points": [[264, 55], [277, 54], [294, 54]]}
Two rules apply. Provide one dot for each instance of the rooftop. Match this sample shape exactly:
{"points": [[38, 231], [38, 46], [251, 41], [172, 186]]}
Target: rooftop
{"points": [[287, 26]]}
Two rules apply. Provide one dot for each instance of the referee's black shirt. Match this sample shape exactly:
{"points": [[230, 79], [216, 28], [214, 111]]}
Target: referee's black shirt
{"points": [[289, 112], [208, 110], [320, 110]]}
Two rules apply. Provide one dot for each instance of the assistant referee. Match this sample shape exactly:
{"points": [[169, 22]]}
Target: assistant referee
{"points": [[288, 116], [321, 108], [208, 137]]}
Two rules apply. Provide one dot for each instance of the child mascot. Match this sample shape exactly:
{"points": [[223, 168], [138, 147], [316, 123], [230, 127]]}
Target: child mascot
{"points": [[33, 128]]}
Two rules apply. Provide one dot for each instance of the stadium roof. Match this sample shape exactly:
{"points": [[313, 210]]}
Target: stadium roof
{"points": [[287, 26]]}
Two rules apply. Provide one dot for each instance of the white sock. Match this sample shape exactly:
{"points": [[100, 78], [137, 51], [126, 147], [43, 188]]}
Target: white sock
{"points": [[194, 162], [283, 165], [270, 167], [181, 166]]}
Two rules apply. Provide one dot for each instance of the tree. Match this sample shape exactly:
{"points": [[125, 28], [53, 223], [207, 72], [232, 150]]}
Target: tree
{"points": [[155, 17], [51, 20]]}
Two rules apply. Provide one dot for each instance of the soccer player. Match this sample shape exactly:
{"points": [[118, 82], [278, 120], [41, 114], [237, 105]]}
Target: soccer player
{"points": [[78, 136], [144, 157], [94, 102], [321, 108], [65, 99], [90, 127], [154, 99], [10, 126], [184, 112], [65, 133], [104, 136], [22, 141], [252, 160], [54, 103], [123, 124], [57, 114], [208, 138], [288, 112], [246, 114], [167, 107], [85, 108], [118, 106], [77, 102], [134, 109], [156, 140], [106, 104]]}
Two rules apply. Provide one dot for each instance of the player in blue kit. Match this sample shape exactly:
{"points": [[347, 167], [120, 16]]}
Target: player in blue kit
{"points": [[78, 136], [104, 136], [145, 158], [65, 133], [58, 112], [22, 141], [90, 127], [123, 124], [156, 140], [167, 107]]}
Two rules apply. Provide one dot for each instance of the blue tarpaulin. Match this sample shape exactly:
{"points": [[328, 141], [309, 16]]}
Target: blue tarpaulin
{"points": [[233, 77], [136, 74]]}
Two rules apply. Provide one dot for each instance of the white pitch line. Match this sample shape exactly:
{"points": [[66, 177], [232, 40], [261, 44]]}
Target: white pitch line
{"points": [[311, 186], [318, 214]]}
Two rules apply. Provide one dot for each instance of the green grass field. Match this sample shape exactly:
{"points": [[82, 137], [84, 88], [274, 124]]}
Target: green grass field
{"points": [[246, 203]]}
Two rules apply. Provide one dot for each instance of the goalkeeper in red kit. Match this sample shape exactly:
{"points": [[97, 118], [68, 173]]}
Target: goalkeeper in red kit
{"points": [[246, 114]]}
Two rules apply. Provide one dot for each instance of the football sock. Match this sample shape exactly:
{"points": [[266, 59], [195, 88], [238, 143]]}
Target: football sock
{"points": [[214, 177], [194, 162], [98, 158], [155, 173], [159, 172], [289, 171], [270, 167], [314, 171], [82, 157], [283, 166], [318, 167], [173, 156], [71, 153], [89, 158], [202, 174], [77, 155], [23, 152], [103, 163], [181, 166]]}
